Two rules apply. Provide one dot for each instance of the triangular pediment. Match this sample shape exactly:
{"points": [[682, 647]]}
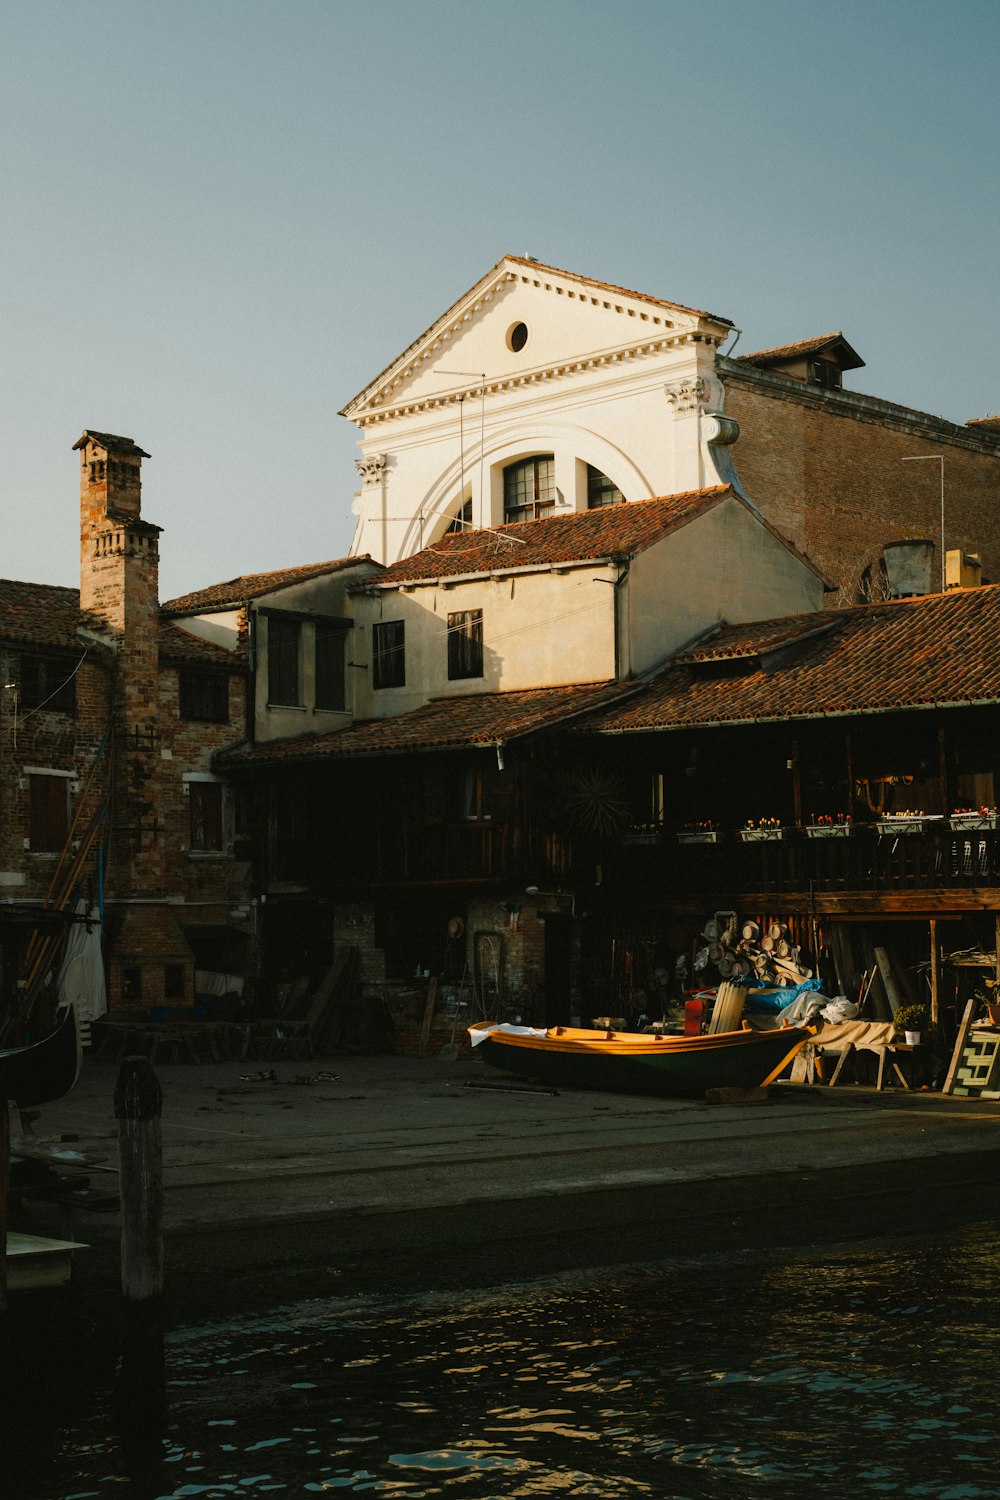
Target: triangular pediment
{"points": [[525, 321]]}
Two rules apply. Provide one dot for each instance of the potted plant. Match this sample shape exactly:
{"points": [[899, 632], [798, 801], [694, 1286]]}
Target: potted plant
{"points": [[911, 1020]]}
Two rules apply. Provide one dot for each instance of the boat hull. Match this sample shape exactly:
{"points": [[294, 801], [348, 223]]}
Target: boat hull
{"points": [[44, 1071], [682, 1067]]}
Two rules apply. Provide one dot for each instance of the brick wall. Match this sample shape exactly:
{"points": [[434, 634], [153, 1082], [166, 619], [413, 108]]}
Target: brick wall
{"points": [[826, 468], [49, 740]]}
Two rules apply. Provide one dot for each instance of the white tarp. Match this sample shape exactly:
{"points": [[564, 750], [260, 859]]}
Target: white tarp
{"points": [[479, 1034], [80, 981]]}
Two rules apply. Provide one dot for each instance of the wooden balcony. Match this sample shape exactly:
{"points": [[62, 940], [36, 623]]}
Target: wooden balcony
{"points": [[867, 870]]}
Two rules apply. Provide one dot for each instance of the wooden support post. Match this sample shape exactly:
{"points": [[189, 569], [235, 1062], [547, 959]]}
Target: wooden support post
{"points": [[935, 976], [893, 995], [4, 1179], [141, 1387]]}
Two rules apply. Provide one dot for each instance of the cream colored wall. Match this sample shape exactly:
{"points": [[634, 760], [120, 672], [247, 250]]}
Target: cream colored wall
{"points": [[327, 595], [539, 630], [725, 565], [602, 380]]}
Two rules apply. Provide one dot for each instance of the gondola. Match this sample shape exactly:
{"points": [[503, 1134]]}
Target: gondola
{"points": [[44, 1070], [637, 1062]]}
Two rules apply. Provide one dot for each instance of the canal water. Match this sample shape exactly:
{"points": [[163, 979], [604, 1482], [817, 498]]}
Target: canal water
{"points": [[868, 1372]]}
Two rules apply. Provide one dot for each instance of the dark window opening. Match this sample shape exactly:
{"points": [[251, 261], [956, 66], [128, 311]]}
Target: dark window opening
{"points": [[529, 488], [827, 374], [283, 684], [331, 687], [600, 490], [477, 794], [132, 982], [48, 813], [462, 519], [173, 982], [465, 644], [48, 682], [207, 834], [204, 696], [517, 337], [388, 655]]}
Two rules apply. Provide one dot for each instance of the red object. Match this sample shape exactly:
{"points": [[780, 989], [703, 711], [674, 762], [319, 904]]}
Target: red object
{"points": [[693, 1012]]}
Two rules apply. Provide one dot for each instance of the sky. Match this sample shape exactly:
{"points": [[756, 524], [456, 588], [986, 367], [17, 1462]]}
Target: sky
{"points": [[219, 219]]}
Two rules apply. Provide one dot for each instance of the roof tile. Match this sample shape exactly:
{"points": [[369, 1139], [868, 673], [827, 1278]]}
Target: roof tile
{"points": [[252, 585], [460, 722], [578, 536], [905, 653]]}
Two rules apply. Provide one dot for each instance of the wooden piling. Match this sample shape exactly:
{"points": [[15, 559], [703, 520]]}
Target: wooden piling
{"points": [[141, 1389], [4, 1179]]}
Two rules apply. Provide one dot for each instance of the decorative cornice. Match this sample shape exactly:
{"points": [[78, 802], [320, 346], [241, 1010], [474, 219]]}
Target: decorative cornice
{"points": [[857, 407], [543, 375], [687, 323]]}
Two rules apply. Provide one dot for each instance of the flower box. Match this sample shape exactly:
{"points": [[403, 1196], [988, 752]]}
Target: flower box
{"points": [[761, 835], [900, 825], [828, 830], [640, 838], [698, 836], [972, 822]]}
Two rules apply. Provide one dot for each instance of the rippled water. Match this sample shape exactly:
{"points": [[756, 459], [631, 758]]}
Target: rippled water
{"points": [[803, 1377]]}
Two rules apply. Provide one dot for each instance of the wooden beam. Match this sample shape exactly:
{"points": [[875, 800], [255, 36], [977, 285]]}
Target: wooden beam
{"points": [[935, 975]]}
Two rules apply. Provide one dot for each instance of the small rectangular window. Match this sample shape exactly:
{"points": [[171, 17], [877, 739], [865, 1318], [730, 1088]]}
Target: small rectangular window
{"points": [[388, 655], [131, 982], [283, 681], [330, 681], [207, 830], [48, 813], [204, 696], [48, 682], [465, 644]]}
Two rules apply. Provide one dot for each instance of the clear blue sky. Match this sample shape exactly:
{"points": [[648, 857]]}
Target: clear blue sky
{"points": [[221, 218]]}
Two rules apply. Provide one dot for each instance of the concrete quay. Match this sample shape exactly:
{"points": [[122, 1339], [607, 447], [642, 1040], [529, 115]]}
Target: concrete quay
{"points": [[353, 1175]]}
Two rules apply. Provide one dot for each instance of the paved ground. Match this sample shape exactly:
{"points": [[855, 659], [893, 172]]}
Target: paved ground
{"points": [[405, 1174]]}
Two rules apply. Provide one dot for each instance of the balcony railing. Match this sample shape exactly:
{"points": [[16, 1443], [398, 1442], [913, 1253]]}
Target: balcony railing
{"points": [[870, 858]]}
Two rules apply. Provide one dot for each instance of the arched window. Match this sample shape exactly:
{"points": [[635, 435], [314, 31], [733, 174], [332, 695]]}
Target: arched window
{"points": [[529, 488], [600, 490]]}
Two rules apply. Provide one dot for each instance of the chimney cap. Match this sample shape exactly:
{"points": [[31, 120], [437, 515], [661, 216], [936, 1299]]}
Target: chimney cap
{"points": [[110, 442]]}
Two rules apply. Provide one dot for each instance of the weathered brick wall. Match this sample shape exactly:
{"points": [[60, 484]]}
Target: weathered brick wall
{"points": [[827, 471], [53, 741]]}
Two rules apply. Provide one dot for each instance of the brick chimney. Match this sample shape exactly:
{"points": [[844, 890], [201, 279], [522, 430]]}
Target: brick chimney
{"points": [[119, 584], [119, 560]]}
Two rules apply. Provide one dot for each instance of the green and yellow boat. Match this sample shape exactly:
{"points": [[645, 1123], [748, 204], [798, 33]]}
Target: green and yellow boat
{"points": [[639, 1062]]}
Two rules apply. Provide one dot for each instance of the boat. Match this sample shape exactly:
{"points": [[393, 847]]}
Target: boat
{"points": [[44, 1070], [639, 1062]]}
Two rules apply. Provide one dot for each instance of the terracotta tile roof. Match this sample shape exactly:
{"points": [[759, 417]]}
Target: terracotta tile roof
{"points": [[849, 358], [461, 722], [577, 536], [989, 422], [607, 286], [110, 441], [39, 614], [937, 650], [251, 585], [180, 648], [42, 614]]}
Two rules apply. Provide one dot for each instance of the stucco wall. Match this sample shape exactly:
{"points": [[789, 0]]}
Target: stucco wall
{"points": [[723, 566]]}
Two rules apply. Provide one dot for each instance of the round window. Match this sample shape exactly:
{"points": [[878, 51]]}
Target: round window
{"points": [[517, 337]]}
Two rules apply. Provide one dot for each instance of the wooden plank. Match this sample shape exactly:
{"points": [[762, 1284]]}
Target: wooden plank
{"points": [[840, 1063], [960, 1041], [425, 1029], [936, 975]]}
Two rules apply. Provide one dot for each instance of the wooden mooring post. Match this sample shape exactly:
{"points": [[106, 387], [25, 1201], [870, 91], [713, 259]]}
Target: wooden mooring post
{"points": [[141, 1375], [5, 1371]]}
